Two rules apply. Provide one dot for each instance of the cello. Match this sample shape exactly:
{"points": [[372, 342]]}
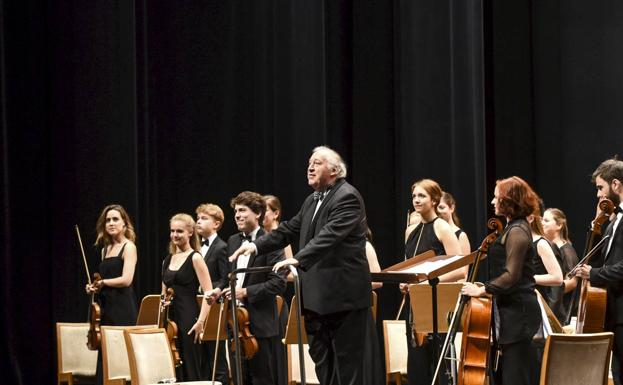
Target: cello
{"points": [[171, 326], [94, 317], [591, 314], [475, 315]]}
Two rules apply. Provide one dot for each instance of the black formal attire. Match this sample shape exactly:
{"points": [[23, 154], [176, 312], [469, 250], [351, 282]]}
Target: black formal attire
{"points": [[216, 258], [335, 280], [610, 276], [551, 294], [569, 260], [420, 359], [118, 305], [516, 312], [184, 311], [260, 302]]}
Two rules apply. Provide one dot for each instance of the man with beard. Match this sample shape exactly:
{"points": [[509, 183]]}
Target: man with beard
{"points": [[608, 179]]}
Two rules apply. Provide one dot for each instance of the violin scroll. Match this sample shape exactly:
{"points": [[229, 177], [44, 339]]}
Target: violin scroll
{"points": [[497, 227], [607, 208]]}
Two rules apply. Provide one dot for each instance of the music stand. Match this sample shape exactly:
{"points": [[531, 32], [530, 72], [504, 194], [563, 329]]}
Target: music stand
{"points": [[426, 267], [212, 321]]}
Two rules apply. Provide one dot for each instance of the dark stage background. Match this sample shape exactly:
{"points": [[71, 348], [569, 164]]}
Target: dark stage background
{"points": [[160, 106]]}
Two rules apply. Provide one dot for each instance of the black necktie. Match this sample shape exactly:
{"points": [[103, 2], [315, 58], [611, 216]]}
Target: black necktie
{"points": [[206, 242], [245, 237]]}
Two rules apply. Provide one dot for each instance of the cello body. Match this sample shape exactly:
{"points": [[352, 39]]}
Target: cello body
{"points": [[592, 302], [476, 341]]}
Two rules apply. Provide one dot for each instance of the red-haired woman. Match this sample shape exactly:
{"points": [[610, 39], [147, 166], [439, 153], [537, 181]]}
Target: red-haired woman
{"points": [[435, 234], [516, 312]]}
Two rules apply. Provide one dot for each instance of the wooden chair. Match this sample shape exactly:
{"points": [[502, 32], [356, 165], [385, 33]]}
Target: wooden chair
{"points": [[294, 372], [75, 360], [151, 359], [115, 363], [579, 359], [148, 312], [395, 344]]}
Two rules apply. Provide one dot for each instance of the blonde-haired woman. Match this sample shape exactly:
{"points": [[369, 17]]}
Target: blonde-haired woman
{"points": [[556, 231], [184, 270], [447, 211]]}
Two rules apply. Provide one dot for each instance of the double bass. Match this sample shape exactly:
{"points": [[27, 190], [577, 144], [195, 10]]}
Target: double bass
{"points": [[475, 316], [170, 326], [592, 301]]}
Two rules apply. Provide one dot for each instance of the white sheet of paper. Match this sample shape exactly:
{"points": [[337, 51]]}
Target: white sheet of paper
{"points": [[428, 266]]}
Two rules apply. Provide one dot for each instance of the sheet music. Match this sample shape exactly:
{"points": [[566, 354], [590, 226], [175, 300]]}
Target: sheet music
{"points": [[427, 267]]}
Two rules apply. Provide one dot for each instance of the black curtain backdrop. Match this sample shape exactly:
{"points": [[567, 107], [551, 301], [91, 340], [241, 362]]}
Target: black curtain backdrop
{"points": [[160, 106]]}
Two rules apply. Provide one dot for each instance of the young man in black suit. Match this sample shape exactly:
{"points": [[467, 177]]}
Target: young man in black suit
{"points": [[608, 179], [257, 292], [335, 276], [210, 219]]}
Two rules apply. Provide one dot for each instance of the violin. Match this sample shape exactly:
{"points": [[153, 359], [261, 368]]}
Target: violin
{"points": [[94, 317], [94, 336], [592, 301], [248, 343], [170, 327]]}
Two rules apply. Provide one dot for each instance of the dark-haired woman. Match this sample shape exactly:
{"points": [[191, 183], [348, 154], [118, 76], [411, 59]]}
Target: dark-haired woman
{"points": [[115, 235], [555, 229], [447, 211], [516, 312]]}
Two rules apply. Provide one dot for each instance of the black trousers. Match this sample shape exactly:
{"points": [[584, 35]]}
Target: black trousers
{"points": [[517, 364], [617, 355], [344, 347], [262, 369], [207, 362]]}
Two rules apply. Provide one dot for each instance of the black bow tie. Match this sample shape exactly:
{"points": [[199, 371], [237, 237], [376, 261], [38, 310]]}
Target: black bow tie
{"points": [[618, 209], [319, 195], [245, 237], [206, 242]]}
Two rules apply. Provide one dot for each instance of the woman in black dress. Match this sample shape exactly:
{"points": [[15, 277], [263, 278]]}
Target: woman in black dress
{"points": [[435, 234], [516, 312], [115, 234], [447, 211], [184, 270], [556, 231]]}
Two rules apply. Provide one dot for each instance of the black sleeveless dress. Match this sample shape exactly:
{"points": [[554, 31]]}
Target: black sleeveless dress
{"points": [[420, 362], [551, 294], [118, 304], [184, 311]]}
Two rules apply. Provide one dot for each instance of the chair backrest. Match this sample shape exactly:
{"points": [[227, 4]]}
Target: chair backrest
{"points": [[279, 302], [576, 359], [395, 343], [294, 372], [72, 352], [374, 299], [115, 362], [148, 312], [149, 355]]}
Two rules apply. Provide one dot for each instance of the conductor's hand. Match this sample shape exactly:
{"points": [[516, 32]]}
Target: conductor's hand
{"points": [[285, 263], [212, 295], [247, 248]]}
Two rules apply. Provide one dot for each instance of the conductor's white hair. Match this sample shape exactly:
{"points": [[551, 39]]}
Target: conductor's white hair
{"points": [[333, 158]]}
